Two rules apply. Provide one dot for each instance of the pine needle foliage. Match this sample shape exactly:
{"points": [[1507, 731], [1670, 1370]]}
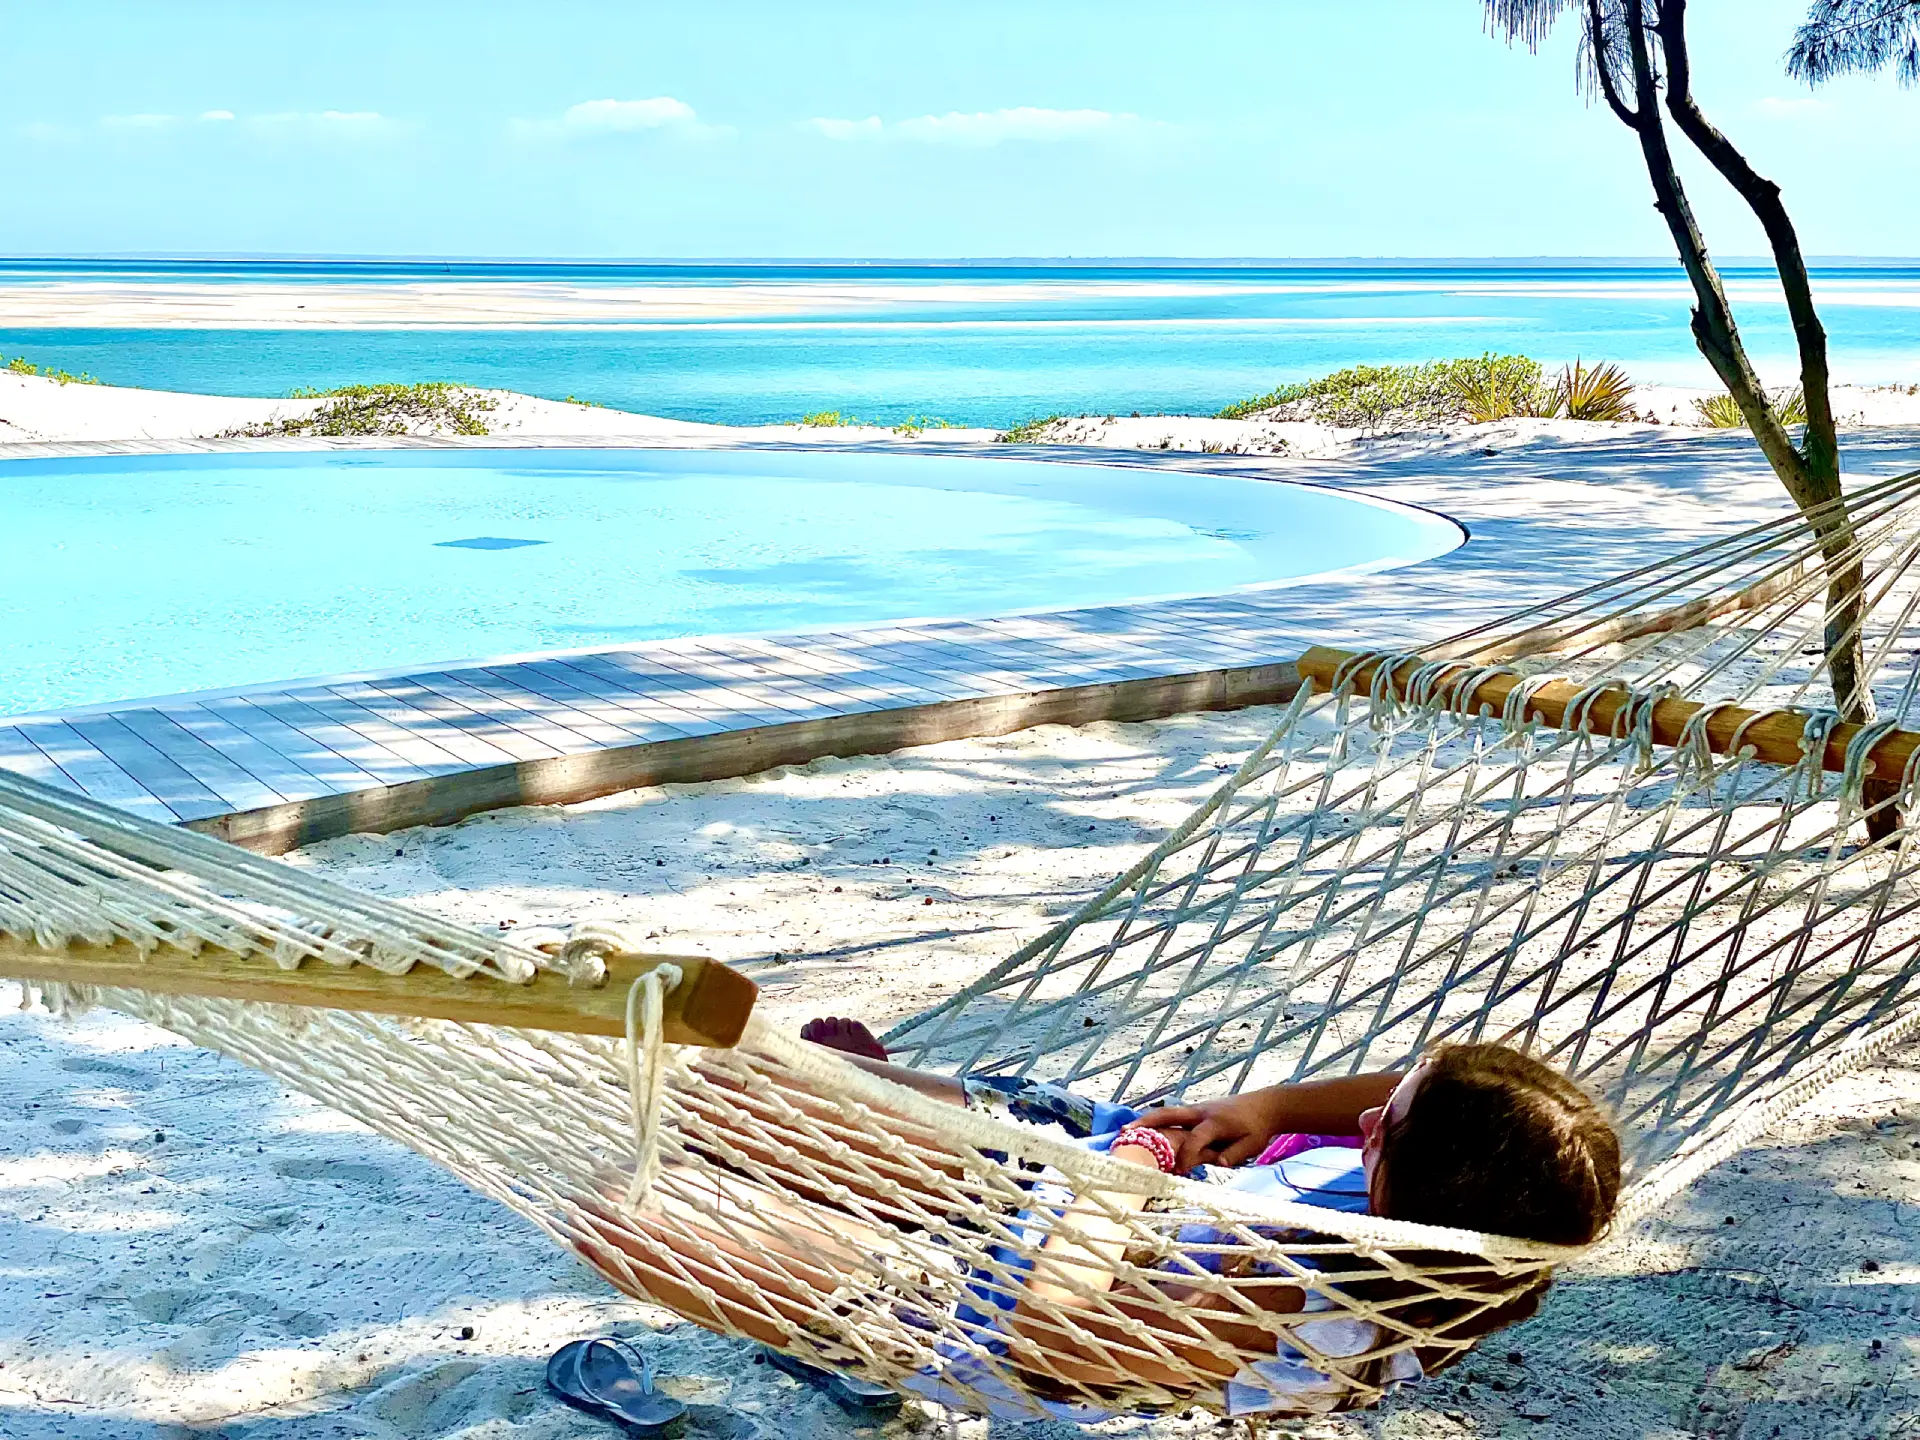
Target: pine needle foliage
{"points": [[1843, 37]]}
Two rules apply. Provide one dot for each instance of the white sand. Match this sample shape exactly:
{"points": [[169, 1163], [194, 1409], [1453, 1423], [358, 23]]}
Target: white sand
{"points": [[34, 408], [268, 1270]]}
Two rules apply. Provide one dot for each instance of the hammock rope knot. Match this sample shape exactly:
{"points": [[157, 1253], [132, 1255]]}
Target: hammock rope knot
{"points": [[646, 1055]]}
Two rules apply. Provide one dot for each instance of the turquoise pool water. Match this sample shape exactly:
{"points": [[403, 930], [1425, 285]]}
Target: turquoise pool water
{"points": [[129, 577]]}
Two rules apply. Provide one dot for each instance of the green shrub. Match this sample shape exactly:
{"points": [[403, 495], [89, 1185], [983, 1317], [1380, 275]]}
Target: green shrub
{"points": [[386, 410], [828, 419], [1497, 387], [1602, 393], [1028, 432], [20, 365], [1379, 397], [915, 424]]}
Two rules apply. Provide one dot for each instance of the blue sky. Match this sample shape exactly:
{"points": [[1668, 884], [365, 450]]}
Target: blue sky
{"points": [[983, 128]]}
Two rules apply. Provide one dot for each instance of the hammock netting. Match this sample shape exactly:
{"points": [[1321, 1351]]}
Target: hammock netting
{"points": [[1701, 936]]}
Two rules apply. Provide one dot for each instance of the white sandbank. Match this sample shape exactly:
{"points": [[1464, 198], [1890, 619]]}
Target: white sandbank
{"points": [[34, 408]]}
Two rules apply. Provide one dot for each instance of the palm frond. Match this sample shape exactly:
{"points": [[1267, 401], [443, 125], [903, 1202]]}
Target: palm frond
{"points": [[1602, 392]]}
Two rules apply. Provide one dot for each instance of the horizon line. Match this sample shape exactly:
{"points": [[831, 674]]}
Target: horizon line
{"points": [[958, 262]]}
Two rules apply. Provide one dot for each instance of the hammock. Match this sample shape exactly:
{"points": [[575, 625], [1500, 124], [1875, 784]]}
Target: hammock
{"points": [[1620, 828]]}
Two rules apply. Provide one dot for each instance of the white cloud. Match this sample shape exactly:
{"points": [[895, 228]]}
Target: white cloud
{"points": [[216, 114], [867, 129], [986, 127], [613, 117]]}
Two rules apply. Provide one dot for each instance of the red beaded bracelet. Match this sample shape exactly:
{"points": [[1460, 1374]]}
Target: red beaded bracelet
{"points": [[1153, 1142]]}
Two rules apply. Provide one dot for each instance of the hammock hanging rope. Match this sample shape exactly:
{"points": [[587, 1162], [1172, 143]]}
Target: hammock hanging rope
{"points": [[1622, 829]]}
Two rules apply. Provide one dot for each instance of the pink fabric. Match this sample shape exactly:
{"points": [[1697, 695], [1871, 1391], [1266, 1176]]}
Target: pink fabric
{"points": [[1285, 1146]]}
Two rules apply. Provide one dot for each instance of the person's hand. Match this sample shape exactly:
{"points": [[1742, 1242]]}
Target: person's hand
{"points": [[1215, 1132]]}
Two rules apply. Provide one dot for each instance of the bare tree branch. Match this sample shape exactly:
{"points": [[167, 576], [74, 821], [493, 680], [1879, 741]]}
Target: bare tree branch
{"points": [[1763, 198], [1601, 60]]}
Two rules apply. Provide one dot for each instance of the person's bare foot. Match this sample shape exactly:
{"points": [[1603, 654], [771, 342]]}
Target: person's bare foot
{"points": [[849, 1037]]}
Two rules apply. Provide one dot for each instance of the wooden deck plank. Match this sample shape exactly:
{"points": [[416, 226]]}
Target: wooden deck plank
{"points": [[23, 757], [448, 723], [570, 700], [332, 770], [418, 723], [238, 787], [524, 713], [352, 743], [165, 780], [252, 755], [637, 706], [92, 770], [707, 703]]}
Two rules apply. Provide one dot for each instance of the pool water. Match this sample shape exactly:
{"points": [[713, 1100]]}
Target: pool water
{"points": [[126, 577]]}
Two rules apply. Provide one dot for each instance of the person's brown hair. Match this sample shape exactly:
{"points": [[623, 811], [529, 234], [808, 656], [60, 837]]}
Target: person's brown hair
{"points": [[1495, 1140]]}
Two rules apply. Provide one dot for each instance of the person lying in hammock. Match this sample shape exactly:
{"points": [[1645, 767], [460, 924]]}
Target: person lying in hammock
{"points": [[1477, 1137], [1474, 1137]]}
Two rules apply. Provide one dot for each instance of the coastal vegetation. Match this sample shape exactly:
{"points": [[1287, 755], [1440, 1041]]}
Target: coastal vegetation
{"points": [[1722, 412], [1478, 389], [386, 410], [1028, 432], [918, 424], [20, 365], [1604, 392], [829, 419]]}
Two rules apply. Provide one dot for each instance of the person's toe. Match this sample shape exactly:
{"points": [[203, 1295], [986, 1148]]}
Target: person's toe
{"points": [[850, 1037]]}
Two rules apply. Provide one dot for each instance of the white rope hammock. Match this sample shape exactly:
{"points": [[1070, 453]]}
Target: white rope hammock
{"points": [[1640, 894]]}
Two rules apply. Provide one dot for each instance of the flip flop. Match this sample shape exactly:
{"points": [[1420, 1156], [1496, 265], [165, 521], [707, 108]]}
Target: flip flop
{"points": [[860, 1398], [611, 1379]]}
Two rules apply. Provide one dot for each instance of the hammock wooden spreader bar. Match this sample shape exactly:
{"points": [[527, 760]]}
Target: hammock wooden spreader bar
{"points": [[1774, 735], [708, 1007]]}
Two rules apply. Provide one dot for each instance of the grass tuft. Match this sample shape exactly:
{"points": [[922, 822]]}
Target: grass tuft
{"points": [[20, 365], [1722, 412], [1380, 397], [828, 419], [917, 424], [386, 410], [1028, 432]]}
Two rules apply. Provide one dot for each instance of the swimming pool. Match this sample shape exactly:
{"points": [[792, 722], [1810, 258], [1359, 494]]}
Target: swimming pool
{"points": [[128, 576]]}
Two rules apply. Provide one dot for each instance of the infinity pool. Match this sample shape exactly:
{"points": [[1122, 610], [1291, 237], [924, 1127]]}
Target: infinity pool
{"points": [[133, 576]]}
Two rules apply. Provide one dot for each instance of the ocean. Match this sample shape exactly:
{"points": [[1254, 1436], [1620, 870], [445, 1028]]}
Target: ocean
{"points": [[974, 344]]}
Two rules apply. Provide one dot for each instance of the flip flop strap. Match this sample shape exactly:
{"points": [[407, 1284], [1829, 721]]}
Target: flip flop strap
{"points": [[629, 1352]]}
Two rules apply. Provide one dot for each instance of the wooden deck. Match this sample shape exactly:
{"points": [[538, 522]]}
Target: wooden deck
{"points": [[273, 767]]}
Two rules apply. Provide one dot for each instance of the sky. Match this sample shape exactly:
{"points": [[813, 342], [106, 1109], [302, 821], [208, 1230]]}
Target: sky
{"points": [[889, 128]]}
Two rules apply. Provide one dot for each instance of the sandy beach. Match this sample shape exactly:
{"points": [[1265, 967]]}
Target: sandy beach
{"points": [[192, 1252]]}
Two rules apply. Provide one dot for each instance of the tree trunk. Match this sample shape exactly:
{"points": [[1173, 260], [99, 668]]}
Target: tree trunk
{"points": [[1811, 476]]}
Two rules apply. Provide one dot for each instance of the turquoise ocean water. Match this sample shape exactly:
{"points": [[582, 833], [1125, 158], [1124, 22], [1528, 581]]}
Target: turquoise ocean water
{"points": [[978, 344]]}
